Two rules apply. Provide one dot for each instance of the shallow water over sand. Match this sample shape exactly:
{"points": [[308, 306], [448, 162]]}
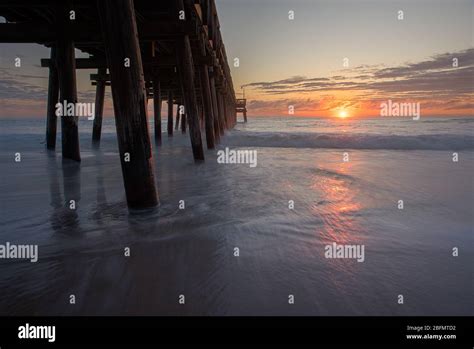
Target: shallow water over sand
{"points": [[191, 251]]}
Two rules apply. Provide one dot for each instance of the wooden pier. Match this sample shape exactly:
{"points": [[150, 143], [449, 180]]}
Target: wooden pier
{"points": [[162, 50], [241, 107]]}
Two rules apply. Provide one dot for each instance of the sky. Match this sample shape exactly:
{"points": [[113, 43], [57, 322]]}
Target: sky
{"points": [[336, 57]]}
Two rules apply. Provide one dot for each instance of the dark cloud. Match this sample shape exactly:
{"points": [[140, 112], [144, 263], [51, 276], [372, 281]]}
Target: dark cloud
{"points": [[434, 76], [439, 62], [285, 82], [20, 86], [282, 104], [15, 86], [453, 81]]}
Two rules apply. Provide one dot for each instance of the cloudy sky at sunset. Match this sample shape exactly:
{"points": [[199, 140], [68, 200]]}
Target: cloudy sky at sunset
{"points": [[300, 62]]}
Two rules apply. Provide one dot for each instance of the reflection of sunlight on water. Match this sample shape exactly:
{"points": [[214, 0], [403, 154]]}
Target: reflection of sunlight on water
{"points": [[339, 209], [339, 206]]}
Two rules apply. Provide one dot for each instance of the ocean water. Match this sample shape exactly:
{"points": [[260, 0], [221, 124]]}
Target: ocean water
{"points": [[190, 252]]}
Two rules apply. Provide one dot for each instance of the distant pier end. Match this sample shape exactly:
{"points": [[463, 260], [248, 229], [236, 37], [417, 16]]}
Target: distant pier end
{"points": [[161, 50], [241, 107]]}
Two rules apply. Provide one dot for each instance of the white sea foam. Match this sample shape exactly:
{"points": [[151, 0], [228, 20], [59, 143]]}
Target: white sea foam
{"points": [[351, 141]]}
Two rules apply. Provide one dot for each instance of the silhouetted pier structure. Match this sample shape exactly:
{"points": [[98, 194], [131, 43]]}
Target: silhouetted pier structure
{"points": [[161, 50], [241, 107]]}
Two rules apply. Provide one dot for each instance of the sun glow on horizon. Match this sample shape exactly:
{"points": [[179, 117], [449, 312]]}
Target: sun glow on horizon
{"points": [[342, 114]]}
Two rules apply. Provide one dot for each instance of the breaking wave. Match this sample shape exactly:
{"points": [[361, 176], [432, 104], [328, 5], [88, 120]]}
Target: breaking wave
{"points": [[350, 141]]}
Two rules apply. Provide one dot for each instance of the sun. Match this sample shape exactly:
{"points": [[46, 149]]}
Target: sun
{"points": [[343, 114]]}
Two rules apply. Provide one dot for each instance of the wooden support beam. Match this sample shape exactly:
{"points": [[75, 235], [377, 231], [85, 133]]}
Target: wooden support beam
{"points": [[67, 87], [226, 112], [53, 97], [164, 61], [207, 106], [170, 113], [81, 63], [186, 76], [100, 77], [120, 34], [157, 101], [89, 33], [201, 116], [99, 108], [30, 32], [205, 9], [183, 123], [107, 83], [215, 108], [177, 117], [230, 111], [221, 113], [226, 115]]}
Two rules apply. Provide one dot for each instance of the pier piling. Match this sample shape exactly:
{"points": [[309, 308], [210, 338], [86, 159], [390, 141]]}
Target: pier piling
{"points": [[215, 108], [129, 96], [186, 76], [183, 123], [176, 126], [99, 107], [170, 113], [66, 65], [53, 97], [157, 101], [207, 106], [142, 50]]}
